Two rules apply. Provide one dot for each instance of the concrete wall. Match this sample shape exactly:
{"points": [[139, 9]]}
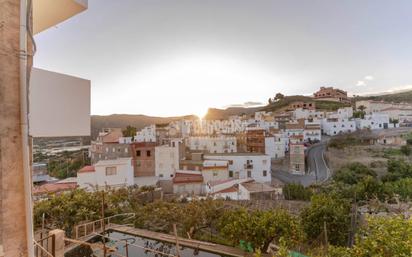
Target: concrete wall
{"points": [[59, 105], [15, 220]]}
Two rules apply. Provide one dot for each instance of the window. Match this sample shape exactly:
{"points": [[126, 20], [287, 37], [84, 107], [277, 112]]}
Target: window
{"points": [[126, 150], [264, 161], [230, 173], [107, 149], [173, 144], [215, 173], [249, 174], [265, 173], [138, 153], [111, 171], [230, 162], [161, 175], [148, 153], [113, 149]]}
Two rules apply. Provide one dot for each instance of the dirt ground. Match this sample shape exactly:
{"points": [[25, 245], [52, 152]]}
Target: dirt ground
{"points": [[374, 156]]}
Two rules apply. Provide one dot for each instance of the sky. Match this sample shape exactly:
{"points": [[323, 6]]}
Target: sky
{"points": [[177, 57]]}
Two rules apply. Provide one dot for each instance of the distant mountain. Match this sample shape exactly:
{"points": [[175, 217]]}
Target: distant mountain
{"points": [[98, 122], [140, 121], [397, 97], [222, 114]]}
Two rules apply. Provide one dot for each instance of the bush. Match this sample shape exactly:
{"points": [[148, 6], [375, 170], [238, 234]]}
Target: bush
{"points": [[335, 212], [353, 173], [406, 150], [297, 192]]}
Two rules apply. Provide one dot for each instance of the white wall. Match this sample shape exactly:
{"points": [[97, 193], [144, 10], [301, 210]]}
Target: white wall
{"points": [[373, 121], [220, 144], [123, 177], [59, 105], [275, 147], [339, 126], [166, 161], [258, 163]]}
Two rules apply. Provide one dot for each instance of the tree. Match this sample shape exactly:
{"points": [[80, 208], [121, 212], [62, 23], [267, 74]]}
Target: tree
{"points": [[279, 96], [270, 101], [260, 228], [406, 150], [335, 212], [353, 173], [384, 236], [296, 192], [129, 131]]}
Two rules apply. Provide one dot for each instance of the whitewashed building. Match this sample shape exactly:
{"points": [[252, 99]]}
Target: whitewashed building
{"points": [[301, 113], [341, 113], [246, 165], [213, 144], [215, 170], [275, 147], [147, 134], [332, 127], [113, 173], [166, 161], [373, 121], [312, 132]]}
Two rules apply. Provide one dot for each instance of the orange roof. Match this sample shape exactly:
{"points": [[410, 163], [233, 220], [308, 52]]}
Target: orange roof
{"points": [[54, 188], [187, 178], [87, 168], [231, 189], [294, 126]]}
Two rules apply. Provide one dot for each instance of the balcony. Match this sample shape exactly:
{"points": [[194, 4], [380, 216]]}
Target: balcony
{"points": [[49, 13]]}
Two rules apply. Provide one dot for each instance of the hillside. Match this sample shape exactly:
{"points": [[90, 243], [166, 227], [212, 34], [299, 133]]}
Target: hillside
{"points": [[123, 120], [219, 114], [405, 96], [320, 105]]}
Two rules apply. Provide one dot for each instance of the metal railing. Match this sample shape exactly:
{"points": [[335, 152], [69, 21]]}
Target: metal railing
{"points": [[45, 246], [93, 227]]}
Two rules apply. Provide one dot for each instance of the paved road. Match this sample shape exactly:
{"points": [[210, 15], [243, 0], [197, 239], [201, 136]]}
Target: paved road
{"points": [[318, 170]]}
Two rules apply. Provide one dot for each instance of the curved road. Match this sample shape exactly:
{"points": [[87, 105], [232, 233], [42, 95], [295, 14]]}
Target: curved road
{"points": [[318, 170]]}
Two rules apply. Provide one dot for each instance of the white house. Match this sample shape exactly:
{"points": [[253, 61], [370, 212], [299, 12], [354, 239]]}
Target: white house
{"points": [[332, 127], [215, 170], [243, 189], [246, 165], [301, 113], [341, 113], [125, 140], [114, 173], [312, 131], [147, 134], [166, 161], [373, 121], [275, 147], [213, 144]]}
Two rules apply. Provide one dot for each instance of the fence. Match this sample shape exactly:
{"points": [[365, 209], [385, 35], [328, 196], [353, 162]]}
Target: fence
{"points": [[45, 246], [93, 227]]}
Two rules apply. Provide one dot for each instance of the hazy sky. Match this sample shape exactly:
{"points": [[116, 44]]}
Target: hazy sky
{"points": [[175, 57]]}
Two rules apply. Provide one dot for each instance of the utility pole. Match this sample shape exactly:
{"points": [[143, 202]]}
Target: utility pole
{"points": [[325, 231]]}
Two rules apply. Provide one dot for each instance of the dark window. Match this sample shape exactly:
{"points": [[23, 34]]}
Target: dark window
{"points": [[138, 153], [249, 174], [265, 173], [230, 173], [148, 153]]}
